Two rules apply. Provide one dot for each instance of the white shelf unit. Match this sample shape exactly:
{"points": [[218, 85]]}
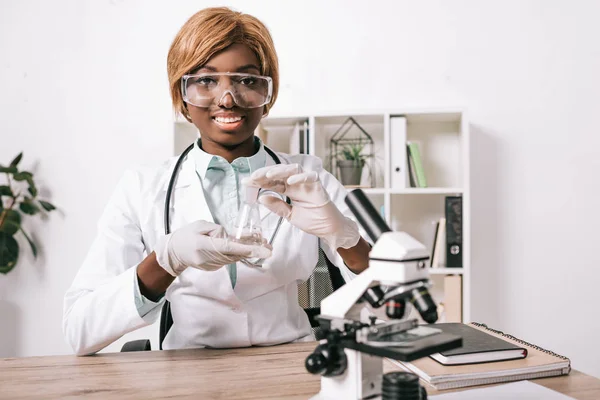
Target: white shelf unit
{"points": [[443, 138]]}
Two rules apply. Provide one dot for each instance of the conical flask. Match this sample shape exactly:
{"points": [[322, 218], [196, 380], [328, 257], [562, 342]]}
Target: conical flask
{"points": [[247, 228]]}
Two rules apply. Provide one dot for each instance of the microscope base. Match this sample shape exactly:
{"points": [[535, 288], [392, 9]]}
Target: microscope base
{"points": [[362, 379]]}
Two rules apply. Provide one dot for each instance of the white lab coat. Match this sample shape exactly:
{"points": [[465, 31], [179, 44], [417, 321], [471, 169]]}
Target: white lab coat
{"points": [[262, 309]]}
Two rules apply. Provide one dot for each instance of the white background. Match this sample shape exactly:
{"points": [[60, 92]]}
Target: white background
{"points": [[83, 92]]}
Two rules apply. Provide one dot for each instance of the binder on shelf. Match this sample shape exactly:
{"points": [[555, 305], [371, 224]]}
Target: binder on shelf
{"points": [[415, 163], [454, 245], [398, 153]]}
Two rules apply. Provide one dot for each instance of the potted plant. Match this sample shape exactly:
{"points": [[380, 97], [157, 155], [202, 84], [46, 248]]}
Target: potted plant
{"points": [[350, 162], [17, 198]]}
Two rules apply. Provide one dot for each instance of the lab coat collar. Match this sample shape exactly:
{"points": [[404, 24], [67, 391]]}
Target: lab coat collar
{"points": [[204, 160], [198, 160]]}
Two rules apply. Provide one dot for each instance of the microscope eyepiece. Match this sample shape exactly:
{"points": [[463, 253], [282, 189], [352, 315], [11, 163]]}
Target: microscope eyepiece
{"points": [[365, 213]]}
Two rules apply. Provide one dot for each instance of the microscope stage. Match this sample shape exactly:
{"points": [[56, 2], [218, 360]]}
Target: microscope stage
{"points": [[413, 350]]}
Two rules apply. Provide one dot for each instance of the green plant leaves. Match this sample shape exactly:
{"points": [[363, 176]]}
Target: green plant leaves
{"points": [[23, 176], [32, 189], [28, 207], [9, 252], [6, 191], [10, 219], [17, 160], [46, 205], [10, 222], [27, 176]]}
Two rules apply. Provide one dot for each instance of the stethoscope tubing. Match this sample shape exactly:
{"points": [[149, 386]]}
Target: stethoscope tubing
{"points": [[175, 174]]}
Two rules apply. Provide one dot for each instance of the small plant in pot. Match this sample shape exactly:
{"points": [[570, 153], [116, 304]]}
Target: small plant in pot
{"points": [[18, 197], [350, 162]]}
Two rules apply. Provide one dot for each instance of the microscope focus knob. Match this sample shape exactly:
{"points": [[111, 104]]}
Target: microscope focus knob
{"points": [[327, 360], [316, 363]]}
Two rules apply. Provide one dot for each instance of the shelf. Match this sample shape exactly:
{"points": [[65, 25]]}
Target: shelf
{"points": [[439, 190], [367, 190], [407, 190], [446, 271]]}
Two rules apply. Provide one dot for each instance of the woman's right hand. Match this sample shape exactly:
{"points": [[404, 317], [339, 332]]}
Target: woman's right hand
{"points": [[203, 245]]}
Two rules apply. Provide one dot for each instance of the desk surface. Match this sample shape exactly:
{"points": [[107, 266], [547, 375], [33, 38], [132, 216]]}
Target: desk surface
{"points": [[250, 373]]}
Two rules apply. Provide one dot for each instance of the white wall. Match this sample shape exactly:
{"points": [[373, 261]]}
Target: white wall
{"points": [[83, 92]]}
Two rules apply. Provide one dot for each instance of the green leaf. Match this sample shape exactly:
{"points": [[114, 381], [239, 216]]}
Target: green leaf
{"points": [[9, 252], [11, 222], [33, 247], [23, 176], [32, 189], [28, 207], [6, 191], [8, 170], [46, 205], [17, 159]]}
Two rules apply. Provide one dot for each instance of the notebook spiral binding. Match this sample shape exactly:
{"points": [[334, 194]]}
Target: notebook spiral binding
{"points": [[484, 326]]}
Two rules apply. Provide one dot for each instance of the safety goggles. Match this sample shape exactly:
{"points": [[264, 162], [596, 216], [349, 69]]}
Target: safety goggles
{"points": [[247, 90]]}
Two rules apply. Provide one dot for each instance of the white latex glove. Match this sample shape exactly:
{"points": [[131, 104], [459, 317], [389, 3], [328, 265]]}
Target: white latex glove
{"points": [[311, 210], [203, 245]]}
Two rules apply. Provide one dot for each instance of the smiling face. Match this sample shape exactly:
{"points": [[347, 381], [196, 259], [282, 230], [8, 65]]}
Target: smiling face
{"points": [[224, 123]]}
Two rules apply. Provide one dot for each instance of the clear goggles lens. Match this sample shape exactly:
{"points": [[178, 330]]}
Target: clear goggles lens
{"points": [[247, 90]]}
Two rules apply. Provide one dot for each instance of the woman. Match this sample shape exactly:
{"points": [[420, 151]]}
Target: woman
{"points": [[223, 73]]}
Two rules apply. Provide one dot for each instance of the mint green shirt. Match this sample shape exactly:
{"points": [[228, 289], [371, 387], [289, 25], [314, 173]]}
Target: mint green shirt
{"points": [[221, 182]]}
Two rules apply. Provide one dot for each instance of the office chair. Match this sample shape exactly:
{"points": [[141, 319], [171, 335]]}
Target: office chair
{"points": [[325, 279]]}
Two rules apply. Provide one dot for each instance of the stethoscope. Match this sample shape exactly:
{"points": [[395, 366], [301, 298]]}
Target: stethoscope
{"points": [[173, 179]]}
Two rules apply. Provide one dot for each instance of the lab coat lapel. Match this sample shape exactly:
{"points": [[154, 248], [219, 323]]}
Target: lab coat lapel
{"points": [[188, 202]]}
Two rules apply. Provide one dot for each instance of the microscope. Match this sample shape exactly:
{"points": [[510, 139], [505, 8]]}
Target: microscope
{"points": [[350, 357]]}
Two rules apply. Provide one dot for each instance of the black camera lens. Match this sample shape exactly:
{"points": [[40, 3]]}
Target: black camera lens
{"points": [[395, 308], [425, 305]]}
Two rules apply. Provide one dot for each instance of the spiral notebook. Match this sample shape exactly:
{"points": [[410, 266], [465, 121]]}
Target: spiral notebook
{"points": [[539, 363]]}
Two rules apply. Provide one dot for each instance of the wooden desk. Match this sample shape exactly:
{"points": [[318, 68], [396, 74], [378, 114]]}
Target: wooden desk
{"points": [[251, 373]]}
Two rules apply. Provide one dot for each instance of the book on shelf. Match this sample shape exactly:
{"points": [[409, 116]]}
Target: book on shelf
{"points": [[533, 362], [438, 249], [415, 165]]}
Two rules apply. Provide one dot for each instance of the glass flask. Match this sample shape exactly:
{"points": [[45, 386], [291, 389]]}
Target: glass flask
{"points": [[247, 228]]}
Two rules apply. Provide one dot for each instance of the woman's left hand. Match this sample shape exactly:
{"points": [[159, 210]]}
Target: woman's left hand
{"points": [[311, 210]]}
